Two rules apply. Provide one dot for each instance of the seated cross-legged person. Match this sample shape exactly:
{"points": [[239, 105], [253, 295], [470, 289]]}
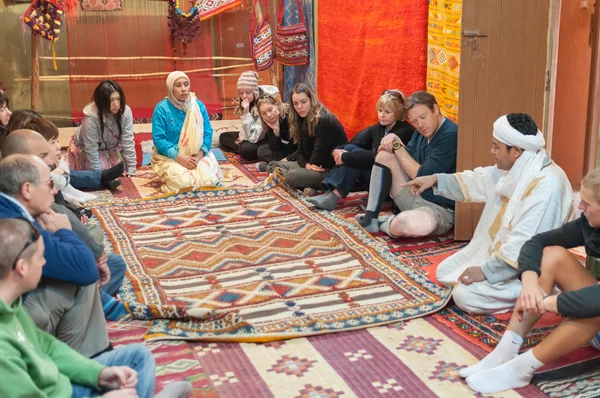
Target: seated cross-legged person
{"points": [[354, 161], [432, 149], [525, 193], [111, 266], [318, 132], [182, 137], [36, 364], [67, 301], [544, 261]]}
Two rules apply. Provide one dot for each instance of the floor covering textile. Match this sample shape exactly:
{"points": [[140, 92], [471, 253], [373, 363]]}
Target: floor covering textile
{"points": [[257, 265], [346, 364]]}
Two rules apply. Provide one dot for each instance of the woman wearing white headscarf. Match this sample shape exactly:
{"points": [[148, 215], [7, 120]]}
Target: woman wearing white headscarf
{"points": [[182, 137]]}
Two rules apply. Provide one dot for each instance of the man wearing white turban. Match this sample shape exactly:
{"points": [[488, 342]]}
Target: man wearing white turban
{"points": [[525, 193]]}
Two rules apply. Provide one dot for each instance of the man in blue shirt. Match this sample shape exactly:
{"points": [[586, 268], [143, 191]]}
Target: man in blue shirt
{"points": [[431, 150]]}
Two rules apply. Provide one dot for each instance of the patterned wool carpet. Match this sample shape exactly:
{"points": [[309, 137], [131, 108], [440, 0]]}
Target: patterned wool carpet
{"points": [[415, 358], [257, 265]]}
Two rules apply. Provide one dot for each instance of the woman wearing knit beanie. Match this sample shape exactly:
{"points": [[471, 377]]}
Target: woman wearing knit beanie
{"points": [[252, 136]]}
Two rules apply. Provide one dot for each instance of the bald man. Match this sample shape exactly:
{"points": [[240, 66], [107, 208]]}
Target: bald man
{"points": [[111, 266]]}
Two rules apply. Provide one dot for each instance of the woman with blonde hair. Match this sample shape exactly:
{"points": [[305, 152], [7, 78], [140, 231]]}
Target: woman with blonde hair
{"points": [[274, 115], [182, 137], [317, 132], [355, 161]]}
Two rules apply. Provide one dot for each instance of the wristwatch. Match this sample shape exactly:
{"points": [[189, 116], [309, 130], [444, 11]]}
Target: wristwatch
{"points": [[396, 145]]}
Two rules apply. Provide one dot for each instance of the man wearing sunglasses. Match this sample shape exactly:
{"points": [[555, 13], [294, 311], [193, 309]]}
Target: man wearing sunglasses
{"points": [[34, 363], [67, 302]]}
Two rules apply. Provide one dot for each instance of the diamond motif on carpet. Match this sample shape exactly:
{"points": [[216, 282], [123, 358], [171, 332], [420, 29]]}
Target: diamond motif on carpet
{"points": [[286, 271], [292, 366], [318, 392], [420, 345]]}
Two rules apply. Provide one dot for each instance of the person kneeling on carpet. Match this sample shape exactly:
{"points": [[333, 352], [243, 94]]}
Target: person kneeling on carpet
{"points": [[432, 149], [182, 137], [35, 363], [355, 161], [318, 132], [543, 262], [525, 193], [105, 137], [274, 115]]}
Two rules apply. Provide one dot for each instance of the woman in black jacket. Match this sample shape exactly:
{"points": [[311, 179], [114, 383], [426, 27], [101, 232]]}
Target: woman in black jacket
{"points": [[274, 115], [318, 132], [355, 160]]}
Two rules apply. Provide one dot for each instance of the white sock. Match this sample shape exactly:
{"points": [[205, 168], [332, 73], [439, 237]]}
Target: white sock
{"points": [[507, 348], [515, 373]]}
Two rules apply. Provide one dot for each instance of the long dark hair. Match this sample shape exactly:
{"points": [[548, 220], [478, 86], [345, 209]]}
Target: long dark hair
{"points": [[101, 98], [3, 99], [312, 119]]}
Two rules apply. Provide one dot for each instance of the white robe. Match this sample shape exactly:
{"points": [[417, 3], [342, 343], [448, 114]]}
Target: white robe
{"points": [[546, 204]]}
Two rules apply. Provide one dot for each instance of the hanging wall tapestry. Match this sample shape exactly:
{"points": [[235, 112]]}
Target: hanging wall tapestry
{"points": [[261, 38], [101, 5], [185, 26], [443, 54], [45, 18], [300, 73], [210, 8], [291, 42], [387, 48]]}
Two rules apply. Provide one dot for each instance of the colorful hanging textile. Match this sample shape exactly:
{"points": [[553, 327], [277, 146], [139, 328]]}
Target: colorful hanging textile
{"points": [[443, 54], [261, 38], [366, 49], [302, 73], [45, 18], [101, 5], [210, 8], [185, 26]]}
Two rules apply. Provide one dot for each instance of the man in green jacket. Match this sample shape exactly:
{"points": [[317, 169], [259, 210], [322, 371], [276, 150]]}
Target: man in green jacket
{"points": [[34, 363]]}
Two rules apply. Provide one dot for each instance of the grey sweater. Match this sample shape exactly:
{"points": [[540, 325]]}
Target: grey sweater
{"points": [[92, 139]]}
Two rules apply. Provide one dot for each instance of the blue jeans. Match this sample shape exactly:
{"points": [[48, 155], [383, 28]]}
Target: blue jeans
{"points": [[85, 179], [138, 358], [344, 178], [117, 267]]}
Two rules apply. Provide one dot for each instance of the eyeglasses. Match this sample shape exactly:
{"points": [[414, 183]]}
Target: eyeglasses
{"points": [[265, 96], [50, 184], [34, 235], [393, 93]]}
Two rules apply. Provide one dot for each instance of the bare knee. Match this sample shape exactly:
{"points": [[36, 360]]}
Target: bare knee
{"points": [[385, 158], [552, 257]]}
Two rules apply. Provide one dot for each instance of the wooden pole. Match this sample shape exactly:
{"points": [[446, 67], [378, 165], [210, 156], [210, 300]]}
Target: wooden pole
{"points": [[35, 72]]}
